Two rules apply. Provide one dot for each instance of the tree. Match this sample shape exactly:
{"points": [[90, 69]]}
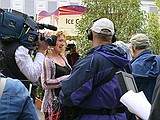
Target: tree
{"points": [[153, 29], [157, 2], [126, 15]]}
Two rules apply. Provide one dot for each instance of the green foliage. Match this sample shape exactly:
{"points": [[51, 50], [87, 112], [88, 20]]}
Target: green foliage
{"points": [[40, 92], [153, 31], [126, 15], [157, 3]]}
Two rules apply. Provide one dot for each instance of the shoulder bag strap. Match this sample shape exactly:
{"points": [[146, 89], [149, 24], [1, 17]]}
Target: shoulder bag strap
{"points": [[108, 77], [2, 84]]}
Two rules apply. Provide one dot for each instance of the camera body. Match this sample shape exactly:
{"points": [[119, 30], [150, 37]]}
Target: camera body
{"points": [[51, 40], [70, 46]]}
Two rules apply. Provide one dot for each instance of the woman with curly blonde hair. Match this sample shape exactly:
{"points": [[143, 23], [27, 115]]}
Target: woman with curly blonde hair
{"points": [[56, 69]]}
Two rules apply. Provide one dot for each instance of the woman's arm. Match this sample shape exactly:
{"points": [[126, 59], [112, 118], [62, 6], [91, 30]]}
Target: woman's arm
{"points": [[48, 79]]}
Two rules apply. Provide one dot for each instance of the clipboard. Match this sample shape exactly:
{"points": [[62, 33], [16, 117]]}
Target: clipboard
{"points": [[126, 82]]}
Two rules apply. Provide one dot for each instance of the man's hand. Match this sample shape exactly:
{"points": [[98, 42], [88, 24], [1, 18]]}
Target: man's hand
{"points": [[42, 45]]}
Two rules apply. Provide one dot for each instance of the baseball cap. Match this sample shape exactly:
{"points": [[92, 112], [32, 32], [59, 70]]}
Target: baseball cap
{"points": [[102, 24], [140, 39]]}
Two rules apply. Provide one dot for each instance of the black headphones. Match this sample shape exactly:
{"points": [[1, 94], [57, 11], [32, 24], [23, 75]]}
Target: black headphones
{"points": [[89, 31]]}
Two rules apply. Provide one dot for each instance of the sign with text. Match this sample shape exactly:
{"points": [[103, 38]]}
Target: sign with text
{"points": [[68, 21]]}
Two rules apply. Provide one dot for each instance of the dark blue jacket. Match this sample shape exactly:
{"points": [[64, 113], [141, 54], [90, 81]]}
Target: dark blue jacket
{"points": [[88, 71], [146, 68]]}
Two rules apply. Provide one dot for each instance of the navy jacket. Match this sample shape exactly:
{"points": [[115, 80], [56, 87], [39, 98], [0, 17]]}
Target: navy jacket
{"points": [[88, 71], [145, 69]]}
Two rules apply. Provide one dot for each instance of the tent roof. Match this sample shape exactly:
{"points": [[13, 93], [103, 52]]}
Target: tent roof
{"points": [[70, 10]]}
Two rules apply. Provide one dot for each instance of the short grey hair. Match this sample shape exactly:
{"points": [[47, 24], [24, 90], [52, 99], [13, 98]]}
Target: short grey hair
{"points": [[140, 41]]}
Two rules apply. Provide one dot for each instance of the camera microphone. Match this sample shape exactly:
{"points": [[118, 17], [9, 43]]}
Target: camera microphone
{"points": [[51, 27]]}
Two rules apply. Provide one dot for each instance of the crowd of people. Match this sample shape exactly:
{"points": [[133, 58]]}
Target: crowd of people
{"points": [[78, 82]]}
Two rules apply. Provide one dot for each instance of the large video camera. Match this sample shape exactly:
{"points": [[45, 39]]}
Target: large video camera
{"points": [[17, 26]]}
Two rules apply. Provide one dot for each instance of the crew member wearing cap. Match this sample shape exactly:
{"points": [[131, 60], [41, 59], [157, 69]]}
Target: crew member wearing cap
{"points": [[145, 65], [82, 89]]}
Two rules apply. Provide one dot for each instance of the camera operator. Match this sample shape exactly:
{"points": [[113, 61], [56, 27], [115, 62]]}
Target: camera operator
{"points": [[73, 55], [18, 34], [19, 64]]}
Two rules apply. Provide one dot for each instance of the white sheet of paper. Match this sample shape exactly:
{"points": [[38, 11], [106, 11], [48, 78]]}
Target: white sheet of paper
{"points": [[137, 103]]}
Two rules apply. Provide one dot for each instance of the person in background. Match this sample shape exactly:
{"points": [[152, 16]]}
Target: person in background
{"points": [[145, 65], [72, 56], [125, 48], [56, 69], [82, 90]]}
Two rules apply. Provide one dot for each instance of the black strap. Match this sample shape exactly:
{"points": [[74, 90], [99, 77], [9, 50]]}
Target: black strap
{"points": [[107, 78], [104, 111]]}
